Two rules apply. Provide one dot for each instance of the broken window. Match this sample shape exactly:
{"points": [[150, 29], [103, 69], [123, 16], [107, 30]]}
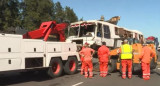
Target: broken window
{"points": [[87, 31], [99, 30], [116, 31], [106, 31], [73, 31]]}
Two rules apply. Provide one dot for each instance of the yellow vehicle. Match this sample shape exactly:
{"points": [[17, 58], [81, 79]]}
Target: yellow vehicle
{"points": [[115, 60]]}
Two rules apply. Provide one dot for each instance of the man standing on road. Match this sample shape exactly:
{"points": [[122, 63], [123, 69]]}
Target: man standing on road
{"points": [[126, 59], [103, 55], [145, 58], [87, 54]]}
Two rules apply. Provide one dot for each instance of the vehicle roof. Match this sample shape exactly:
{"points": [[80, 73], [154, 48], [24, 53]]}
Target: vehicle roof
{"points": [[134, 31]]}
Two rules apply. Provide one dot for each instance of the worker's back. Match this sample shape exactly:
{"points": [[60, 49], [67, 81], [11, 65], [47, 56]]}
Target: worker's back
{"points": [[103, 53], [146, 54], [87, 52]]}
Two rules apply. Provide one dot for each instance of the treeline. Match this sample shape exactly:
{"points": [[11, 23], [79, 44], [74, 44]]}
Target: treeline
{"points": [[29, 14]]}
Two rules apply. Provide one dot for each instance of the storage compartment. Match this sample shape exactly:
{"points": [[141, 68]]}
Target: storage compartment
{"points": [[10, 43], [69, 47], [53, 47], [33, 62], [33, 46], [10, 64]]}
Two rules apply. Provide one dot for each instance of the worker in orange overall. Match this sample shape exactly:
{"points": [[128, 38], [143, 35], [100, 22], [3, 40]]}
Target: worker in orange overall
{"points": [[146, 56], [82, 63], [126, 59], [103, 55], [87, 54]]}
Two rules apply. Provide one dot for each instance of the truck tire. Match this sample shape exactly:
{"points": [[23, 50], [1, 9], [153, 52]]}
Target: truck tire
{"points": [[136, 68], [71, 65], [153, 64], [56, 67], [112, 67]]}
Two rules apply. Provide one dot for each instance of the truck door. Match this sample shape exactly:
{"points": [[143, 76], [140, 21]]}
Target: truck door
{"points": [[99, 34], [107, 36]]}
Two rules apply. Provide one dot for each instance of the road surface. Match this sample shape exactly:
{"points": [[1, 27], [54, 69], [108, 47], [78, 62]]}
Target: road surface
{"points": [[113, 79]]}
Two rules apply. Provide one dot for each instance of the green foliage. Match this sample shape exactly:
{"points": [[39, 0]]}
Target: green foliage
{"points": [[70, 16], [59, 13], [35, 12], [29, 14], [8, 14], [81, 19]]}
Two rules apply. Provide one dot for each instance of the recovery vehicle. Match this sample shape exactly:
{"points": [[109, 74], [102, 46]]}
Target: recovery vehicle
{"points": [[18, 53]]}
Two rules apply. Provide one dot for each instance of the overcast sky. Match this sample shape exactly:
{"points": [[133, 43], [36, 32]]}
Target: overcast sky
{"points": [[142, 15]]}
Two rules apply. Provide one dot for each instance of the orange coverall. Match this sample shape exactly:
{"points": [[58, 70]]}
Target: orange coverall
{"points": [[82, 63], [103, 55], [86, 53], [146, 57]]}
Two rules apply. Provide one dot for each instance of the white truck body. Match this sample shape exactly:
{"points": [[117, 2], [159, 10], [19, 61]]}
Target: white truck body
{"points": [[17, 53], [108, 33]]}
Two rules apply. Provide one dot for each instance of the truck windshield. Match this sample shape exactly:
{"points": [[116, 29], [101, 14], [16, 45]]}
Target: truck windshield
{"points": [[87, 31], [73, 31]]}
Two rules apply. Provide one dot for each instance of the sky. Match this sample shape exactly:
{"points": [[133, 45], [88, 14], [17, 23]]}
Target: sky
{"points": [[141, 15]]}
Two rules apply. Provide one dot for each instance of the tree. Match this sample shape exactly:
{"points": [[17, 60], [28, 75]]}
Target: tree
{"points": [[59, 13], [81, 19], [35, 12], [70, 16], [29, 14], [8, 14]]}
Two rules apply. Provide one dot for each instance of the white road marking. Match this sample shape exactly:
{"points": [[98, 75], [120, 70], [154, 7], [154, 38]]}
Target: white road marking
{"points": [[77, 84]]}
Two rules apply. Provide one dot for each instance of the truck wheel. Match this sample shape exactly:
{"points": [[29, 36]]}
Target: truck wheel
{"points": [[153, 64], [56, 68], [71, 65], [112, 65]]}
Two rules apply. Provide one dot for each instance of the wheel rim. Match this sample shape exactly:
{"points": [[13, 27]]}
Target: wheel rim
{"points": [[72, 65], [55, 68]]}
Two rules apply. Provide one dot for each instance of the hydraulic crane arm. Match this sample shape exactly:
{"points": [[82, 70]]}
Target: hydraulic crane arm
{"points": [[46, 29]]}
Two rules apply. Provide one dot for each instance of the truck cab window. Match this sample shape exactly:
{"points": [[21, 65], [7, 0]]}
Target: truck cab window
{"points": [[73, 31], [116, 30], [106, 31], [99, 30], [87, 31]]}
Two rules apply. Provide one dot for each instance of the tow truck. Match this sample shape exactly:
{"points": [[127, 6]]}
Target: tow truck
{"points": [[33, 51]]}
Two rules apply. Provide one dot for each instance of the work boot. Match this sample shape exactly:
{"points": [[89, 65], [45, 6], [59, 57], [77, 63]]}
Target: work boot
{"points": [[90, 74], [86, 75], [148, 77], [129, 76], [123, 77], [82, 73], [145, 78], [104, 75], [101, 75]]}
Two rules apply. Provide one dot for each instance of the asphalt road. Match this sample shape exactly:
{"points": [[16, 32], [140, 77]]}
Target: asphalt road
{"points": [[113, 79]]}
